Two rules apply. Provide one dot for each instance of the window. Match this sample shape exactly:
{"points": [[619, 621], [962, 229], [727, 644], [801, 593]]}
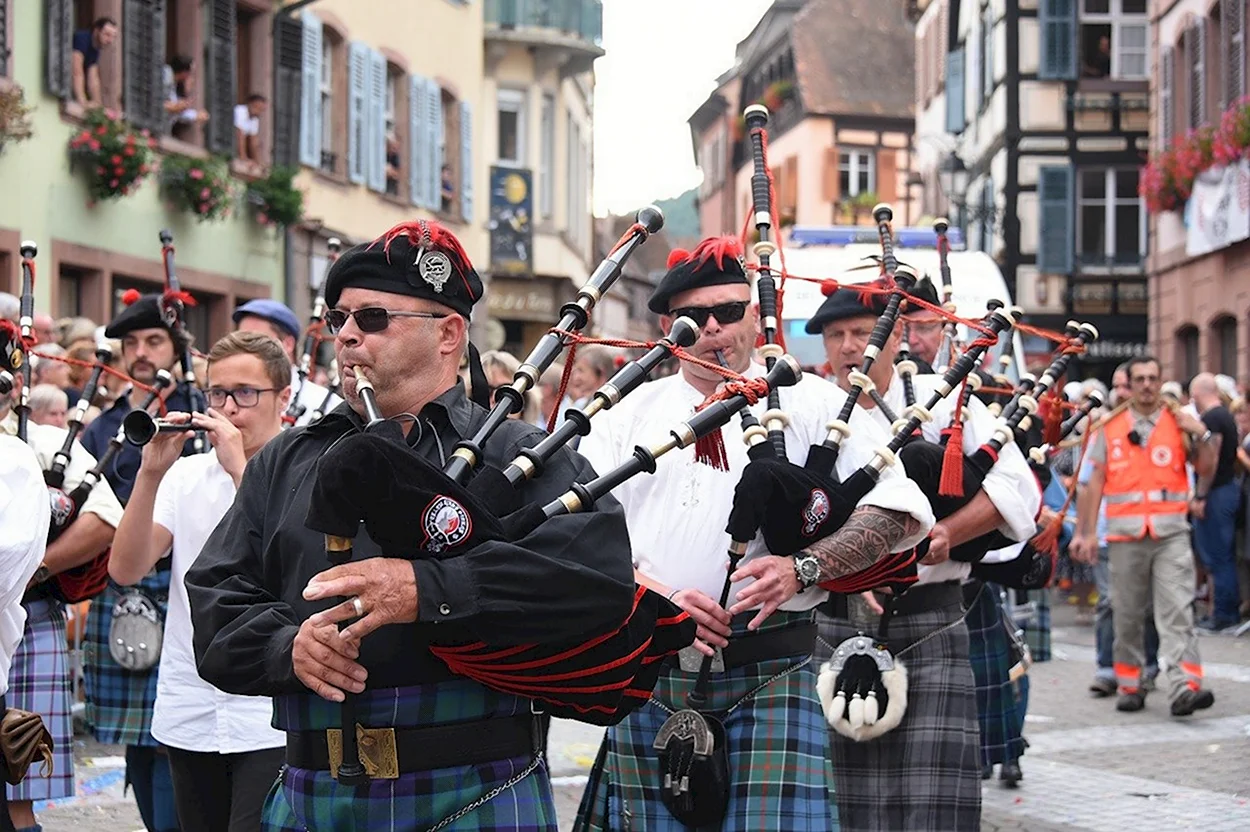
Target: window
{"points": [[1187, 351], [393, 148], [4, 37], [856, 173], [325, 89], [1114, 41], [70, 291], [547, 162], [1195, 64], [448, 152], [1224, 335], [1110, 219], [511, 150], [987, 55], [574, 134], [1234, 20]]}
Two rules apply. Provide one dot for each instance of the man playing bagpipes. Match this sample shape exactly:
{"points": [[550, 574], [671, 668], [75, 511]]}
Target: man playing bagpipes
{"points": [[925, 773], [447, 752], [761, 687]]}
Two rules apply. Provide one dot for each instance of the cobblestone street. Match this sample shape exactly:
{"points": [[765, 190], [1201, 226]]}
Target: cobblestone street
{"points": [[1088, 767]]}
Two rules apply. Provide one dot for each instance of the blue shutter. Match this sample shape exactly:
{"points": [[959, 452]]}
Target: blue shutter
{"points": [[418, 156], [466, 161], [434, 139], [1056, 239], [358, 139], [310, 112], [955, 92], [1057, 27], [375, 132]]}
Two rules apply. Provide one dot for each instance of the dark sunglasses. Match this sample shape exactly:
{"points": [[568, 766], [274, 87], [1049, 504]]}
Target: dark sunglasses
{"points": [[725, 313], [371, 318]]}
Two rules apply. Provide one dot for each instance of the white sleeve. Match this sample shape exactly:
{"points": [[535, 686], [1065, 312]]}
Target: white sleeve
{"points": [[894, 491], [1010, 484], [240, 117], [165, 505], [101, 502], [24, 515]]}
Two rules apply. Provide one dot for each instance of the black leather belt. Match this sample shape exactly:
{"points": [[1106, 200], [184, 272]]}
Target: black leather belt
{"points": [[920, 598], [436, 746], [753, 648]]}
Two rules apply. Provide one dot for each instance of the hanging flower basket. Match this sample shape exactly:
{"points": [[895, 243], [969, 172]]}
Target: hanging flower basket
{"points": [[200, 186], [14, 116], [114, 156], [275, 200], [1167, 180], [777, 94]]}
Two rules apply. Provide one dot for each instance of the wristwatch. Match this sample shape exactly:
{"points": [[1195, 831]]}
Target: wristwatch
{"points": [[806, 569]]}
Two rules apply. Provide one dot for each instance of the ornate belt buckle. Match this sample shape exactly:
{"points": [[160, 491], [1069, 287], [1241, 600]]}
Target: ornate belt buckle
{"points": [[377, 749], [690, 660]]}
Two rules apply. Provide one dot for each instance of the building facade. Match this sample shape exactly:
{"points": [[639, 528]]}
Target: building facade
{"points": [[835, 76], [1200, 246], [91, 250], [1042, 105]]}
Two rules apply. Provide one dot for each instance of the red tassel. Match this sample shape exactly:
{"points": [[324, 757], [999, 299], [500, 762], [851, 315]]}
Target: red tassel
{"points": [[710, 450], [130, 296], [1052, 418], [951, 483]]}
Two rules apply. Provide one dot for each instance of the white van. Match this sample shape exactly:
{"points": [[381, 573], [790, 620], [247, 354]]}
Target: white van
{"points": [[829, 252]]}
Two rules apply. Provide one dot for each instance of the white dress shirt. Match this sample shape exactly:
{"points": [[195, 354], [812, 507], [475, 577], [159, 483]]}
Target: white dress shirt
{"points": [[310, 395], [677, 516], [1010, 485], [24, 517], [191, 714], [46, 440]]}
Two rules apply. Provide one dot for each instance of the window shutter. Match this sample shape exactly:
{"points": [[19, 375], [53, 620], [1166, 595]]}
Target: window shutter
{"points": [[1167, 96], [887, 175], [987, 208], [830, 184], [310, 112], [143, 57], [4, 41], [1057, 19], [60, 47], [1234, 17], [955, 92], [418, 156], [375, 132], [359, 140], [288, 93], [1195, 53], [434, 142], [987, 70], [1056, 240], [466, 161], [972, 51], [219, 74]]}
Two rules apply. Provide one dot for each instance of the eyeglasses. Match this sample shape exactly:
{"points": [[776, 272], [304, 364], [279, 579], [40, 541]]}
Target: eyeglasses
{"points": [[725, 313], [371, 318], [243, 396]]}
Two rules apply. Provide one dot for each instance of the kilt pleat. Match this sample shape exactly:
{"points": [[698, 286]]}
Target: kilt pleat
{"points": [[780, 777], [924, 774], [39, 682], [990, 656]]}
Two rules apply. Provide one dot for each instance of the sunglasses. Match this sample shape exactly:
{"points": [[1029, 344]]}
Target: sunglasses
{"points": [[243, 396], [725, 313], [371, 318]]}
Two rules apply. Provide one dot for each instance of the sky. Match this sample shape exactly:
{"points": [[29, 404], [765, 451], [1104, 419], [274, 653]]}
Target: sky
{"points": [[656, 72]]}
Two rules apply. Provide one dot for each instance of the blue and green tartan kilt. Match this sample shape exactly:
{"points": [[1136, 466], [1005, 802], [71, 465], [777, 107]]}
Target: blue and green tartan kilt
{"points": [[119, 701], [40, 682], [304, 800], [990, 655], [1037, 627], [780, 775]]}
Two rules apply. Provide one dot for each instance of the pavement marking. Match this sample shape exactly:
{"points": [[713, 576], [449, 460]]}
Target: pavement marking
{"points": [[84, 789]]}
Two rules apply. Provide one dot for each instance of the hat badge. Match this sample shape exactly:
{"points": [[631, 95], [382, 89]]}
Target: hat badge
{"points": [[434, 268]]}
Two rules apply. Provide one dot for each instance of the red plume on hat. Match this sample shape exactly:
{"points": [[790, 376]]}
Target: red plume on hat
{"points": [[712, 248], [428, 233]]}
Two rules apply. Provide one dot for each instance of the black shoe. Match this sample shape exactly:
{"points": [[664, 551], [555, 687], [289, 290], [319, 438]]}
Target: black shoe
{"points": [[1192, 700], [1011, 775], [1131, 702], [1102, 688]]}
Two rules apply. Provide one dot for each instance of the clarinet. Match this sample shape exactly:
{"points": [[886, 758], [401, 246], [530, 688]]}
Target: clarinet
{"points": [[26, 325], [774, 419], [573, 318], [947, 348], [308, 359], [173, 311], [54, 477]]}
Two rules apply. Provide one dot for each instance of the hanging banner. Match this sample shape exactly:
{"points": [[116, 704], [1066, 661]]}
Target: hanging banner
{"points": [[1218, 212], [511, 213]]}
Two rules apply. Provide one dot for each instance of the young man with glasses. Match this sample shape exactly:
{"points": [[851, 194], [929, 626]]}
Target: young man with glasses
{"points": [[776, 736], [272, 317], [266, 602], [223, 753]]}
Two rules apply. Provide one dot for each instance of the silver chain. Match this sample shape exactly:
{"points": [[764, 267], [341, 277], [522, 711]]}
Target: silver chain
{"points": [[750, 694], [490, 795]]}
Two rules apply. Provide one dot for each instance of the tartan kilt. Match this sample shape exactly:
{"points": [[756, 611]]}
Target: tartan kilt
{"points": [[304, 800], [1037, 627], [990, 655], [119, 702], [926, 773], [39, 682], [780, 777]]}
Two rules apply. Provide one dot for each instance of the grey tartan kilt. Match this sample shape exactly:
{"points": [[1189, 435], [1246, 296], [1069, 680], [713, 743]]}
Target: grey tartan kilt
{"points": [[926, 773], [39, 682]]}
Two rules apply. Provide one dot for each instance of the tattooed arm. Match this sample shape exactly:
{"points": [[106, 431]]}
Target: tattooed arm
{"points": [[868, 535]]}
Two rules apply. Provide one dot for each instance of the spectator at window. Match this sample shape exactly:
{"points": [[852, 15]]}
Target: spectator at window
{"points": [[392, 164], [1098, 65], [449, 189], [85, 61], [247, 127], [179, 80]]}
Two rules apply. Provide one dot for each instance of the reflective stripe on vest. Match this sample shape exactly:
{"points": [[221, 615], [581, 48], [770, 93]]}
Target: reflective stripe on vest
{"points": [[1143, 482]]}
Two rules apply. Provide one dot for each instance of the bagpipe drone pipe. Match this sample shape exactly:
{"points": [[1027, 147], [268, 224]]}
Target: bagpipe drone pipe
{"points": [[312, 341], [174, 302]]}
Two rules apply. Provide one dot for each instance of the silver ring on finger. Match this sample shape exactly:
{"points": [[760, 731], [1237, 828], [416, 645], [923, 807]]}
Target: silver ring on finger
{"points": [[358, 606]]}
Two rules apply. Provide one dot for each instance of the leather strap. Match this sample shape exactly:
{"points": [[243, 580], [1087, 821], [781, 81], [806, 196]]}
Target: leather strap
{"points": [[754, 648], [437, 746], [919, 598]]}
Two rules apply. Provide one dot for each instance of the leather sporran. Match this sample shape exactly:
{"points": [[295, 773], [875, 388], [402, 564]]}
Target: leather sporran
{"points": [[694, 766], [137, 631], [23, 740]]}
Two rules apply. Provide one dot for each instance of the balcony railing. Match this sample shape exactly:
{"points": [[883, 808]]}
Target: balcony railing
{"points": [[582, 19]]}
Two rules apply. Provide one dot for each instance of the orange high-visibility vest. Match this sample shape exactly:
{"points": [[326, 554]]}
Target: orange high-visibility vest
{"points": [[1143, 482]]}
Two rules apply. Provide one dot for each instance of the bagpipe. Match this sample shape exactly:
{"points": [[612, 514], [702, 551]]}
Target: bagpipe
{"points": [[26, 335], [312, 340], [332, 389], [946, 349], [173, 310]]}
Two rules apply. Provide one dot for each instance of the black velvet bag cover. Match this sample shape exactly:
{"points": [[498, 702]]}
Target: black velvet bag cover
{"points": [[1030, 569]]}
